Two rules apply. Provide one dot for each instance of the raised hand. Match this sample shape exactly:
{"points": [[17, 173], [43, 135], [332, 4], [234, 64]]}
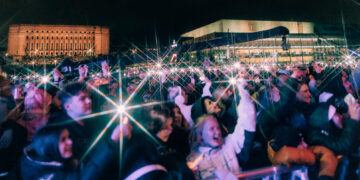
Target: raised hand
{"points": [[124, 129], [354, 109]]}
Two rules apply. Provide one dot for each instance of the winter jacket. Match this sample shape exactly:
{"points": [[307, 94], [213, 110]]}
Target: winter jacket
{"points": [[324, 132], [12, 141], [32, 169], [236, 148], [144, 152]]}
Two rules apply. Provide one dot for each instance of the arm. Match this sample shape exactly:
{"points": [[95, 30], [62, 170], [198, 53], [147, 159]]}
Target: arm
{"points": [[206, 88], [244, 131]]}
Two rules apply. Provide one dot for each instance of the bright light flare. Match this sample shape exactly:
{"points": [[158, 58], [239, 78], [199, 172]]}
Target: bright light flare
{"points": [[45, 79], [121, 109], [158, 65], [232, 81], [237, 65]]}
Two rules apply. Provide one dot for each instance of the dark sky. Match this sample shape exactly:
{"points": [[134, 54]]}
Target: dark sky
{"points": [[137, 21]]}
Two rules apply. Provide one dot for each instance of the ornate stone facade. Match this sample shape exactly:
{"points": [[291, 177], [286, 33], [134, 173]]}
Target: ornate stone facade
{"points": [[57, 40]]}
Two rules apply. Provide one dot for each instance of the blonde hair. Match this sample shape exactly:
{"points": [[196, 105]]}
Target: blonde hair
{"points": [[196, 131]]}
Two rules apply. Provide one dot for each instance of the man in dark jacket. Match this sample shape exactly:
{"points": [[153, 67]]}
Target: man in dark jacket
{"points": [[77, 104]]}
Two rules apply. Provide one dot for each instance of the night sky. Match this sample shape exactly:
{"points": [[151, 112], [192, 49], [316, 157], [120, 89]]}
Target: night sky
{"points": [[138, 21]]}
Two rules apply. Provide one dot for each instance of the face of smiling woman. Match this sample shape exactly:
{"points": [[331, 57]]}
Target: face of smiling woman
{"points": [[65, 145], [211, 133]]}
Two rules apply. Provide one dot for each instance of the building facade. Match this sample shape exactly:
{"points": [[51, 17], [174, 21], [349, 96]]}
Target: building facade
{"points": [[304, 44], [57, 40]]}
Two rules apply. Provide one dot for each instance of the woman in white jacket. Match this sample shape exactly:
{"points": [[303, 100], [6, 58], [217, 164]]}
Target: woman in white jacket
{"points": [[214, 157]]}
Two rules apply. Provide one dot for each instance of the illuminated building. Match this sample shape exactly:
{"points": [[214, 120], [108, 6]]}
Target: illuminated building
{"points": [[305, 44], [57, 40]]}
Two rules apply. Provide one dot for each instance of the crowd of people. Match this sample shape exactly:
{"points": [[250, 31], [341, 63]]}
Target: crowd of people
{"points": [[181, 123]]}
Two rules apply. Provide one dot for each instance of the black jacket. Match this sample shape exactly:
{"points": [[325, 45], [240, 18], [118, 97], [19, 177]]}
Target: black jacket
{"points": [[143, 151], [326, 133], [31, 169], [12, 141], [82, 136]]}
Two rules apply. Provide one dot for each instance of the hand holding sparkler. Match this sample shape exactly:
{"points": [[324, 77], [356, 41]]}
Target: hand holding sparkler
{"points": [[83, 70], [57, 75], [122, 130]]}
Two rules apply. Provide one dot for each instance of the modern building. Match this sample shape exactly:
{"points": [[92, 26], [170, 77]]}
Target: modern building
{"points": [[27, 40], [300, 44]]}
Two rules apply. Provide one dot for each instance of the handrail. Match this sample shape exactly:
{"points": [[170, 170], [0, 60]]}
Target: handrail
{"points": [[268, 171]]}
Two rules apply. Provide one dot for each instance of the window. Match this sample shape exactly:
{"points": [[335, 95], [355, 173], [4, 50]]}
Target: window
{"points": [[61, 37], [79, 53], [42, 46], [32, 37], [37, 45], [52, 46], [57, 37], [42, 37], [75, 47], [61, 46], [52, 53], [66, 37], [27, 37], [57, 46], [37, 37], [52, 37], [56, 53], [42, 53], [47, 46], [47, 37], [66, 46], [70, 53], [71, 37], [47, 53], [80, 46], [70, 46], [84, 46]]}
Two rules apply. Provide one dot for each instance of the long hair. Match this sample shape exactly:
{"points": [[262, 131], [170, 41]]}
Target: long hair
{"points": [[45, 145], [196, 131]]}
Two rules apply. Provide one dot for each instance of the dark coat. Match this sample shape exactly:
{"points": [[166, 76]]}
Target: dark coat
{"points": [[12, 141], [324, 132], [145, 151], [31, 169]]}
